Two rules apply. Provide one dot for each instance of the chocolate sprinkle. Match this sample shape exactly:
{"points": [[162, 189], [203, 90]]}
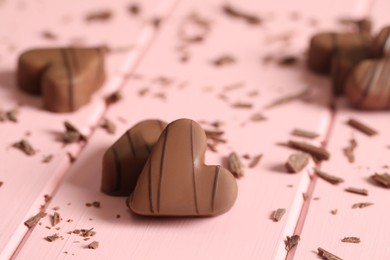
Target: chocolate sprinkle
{"points": [[235, 13], [52, 237], [361, 205], [363, 192], [287, 99], [24, 146], [100, 16], [349, 151]]}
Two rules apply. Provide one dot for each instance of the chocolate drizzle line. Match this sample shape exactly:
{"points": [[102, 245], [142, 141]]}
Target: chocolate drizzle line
{"points": [[161, 169], [215, 186], [150, 187], [131, 145], [193, 169], [117, 169], [70, 78]]}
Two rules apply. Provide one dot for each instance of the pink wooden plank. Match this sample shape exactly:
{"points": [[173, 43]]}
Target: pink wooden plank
{"points": [[26, 180], [245, 232]]}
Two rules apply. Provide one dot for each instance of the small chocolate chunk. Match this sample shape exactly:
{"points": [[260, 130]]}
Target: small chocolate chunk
{"points": [[125, 159], [66, 77], [31, 222], [363, 192], [291, 242], [304, 133], [324, 45], [381, 43], [325, 255], [52, 237], [368, 86], [355, 240], [278, 214], [362, 127], [382, 179], [361, 205], [329, 178], [93, 245], [235, 13], [297, 162], [318, 153], [25, 146], [235, 165]]}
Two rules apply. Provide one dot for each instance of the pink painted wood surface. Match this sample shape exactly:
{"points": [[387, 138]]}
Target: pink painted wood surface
{"points": [[26, 179], [193, 90]]}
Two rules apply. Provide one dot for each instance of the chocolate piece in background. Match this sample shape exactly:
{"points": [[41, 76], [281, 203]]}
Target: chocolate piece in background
{"points": [[175, 180], [125, 159], [66, 77], [324, 45], [368, 86], [381, 43]]}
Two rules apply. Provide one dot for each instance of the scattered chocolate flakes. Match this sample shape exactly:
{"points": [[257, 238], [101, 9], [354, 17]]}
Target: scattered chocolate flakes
{"points": [[363, 192], [242, 105], [55, 219], [304, 133], [287, 99], [235, 13], [318, 153], [52, 237], [114, 97], [355, 240], [361, 205], [257, 117], [255, 161], [49, 35], [288, 60], [291, 242], [134, 9], [25, 146], [235, 165], [71, 134], [93, 245], [31, 222], [327, 255], [47, 158], [349, 151], [99, 16], [383, 179], [333, 211], [327, 177], [361, 127], [224, 60], [109, 126], [278, 214], [297, 162]]}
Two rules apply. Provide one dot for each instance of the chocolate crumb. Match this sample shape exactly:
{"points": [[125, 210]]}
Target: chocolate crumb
{"points": [[349, 151], [52, 237], [242, 105], [235, 165], [49, 35], [25, 146], [71, 134], [99, 16], [361, 205], [257, 117], [327, 177], [235, 13], [383, 179], [291, 242], [255, 161], [355, 240], [333, 211], [134, 9], [93, 245], [297, 162], [288, 61], [361, 127], [304, 133], [287, 99], [47, 158], [363, 192], [109, 126], [55, 219], [224, 60], [31, 222], [114, 97], [278, 214], [327, 255], [318, 153]]}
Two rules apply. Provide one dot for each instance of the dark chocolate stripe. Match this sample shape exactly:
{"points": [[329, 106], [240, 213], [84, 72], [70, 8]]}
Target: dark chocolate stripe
{"points": [[117, 169], [131, 144], [74, 60], [370, 73], [70, 78], [193, 169], [150, 187], [214, 194], [161, 169]]}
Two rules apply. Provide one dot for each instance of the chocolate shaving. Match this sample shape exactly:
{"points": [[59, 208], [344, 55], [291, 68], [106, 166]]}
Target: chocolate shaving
{"points": [[349, 151], [109, 126], [100, 16], [235, 13], [278, 214], [25, 146], [52, 237], [31, 222], [55, 219], [224, 60], [287, 99], [287, 60], [12, 115], [71, 134], [383, 179], [114, 97], [257, 117], [327, 255], [304, 133], [361, 127], [47, 158], [297, 162], [355, 240], [363, 192], [318, 153], [333, 211], [361, 205], [327, 177], [134, 9], [242, 105], [291, 242], [49, 35], [235, 165], [255, 161], [93, 245]]}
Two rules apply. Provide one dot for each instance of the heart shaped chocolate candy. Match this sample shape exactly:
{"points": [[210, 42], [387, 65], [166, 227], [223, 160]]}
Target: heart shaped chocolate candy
{"points": [[368, 86], [125, 159], [67, 77], [175, 180]]}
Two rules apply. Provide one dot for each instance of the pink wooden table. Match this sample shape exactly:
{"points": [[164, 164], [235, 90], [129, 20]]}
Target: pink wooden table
{"points": [[148, 69]]}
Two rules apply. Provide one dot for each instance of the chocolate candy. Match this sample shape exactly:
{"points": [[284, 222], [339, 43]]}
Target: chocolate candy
{"points": [[342, 65], [368, 86], [175, 180], [125, 159], [67, 77], [381, 43], [324, 45]]}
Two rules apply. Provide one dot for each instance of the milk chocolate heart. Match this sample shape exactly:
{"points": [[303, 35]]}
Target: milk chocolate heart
{"points": [[125, 159], [67, 77], [368, 86], [175, 180]]}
